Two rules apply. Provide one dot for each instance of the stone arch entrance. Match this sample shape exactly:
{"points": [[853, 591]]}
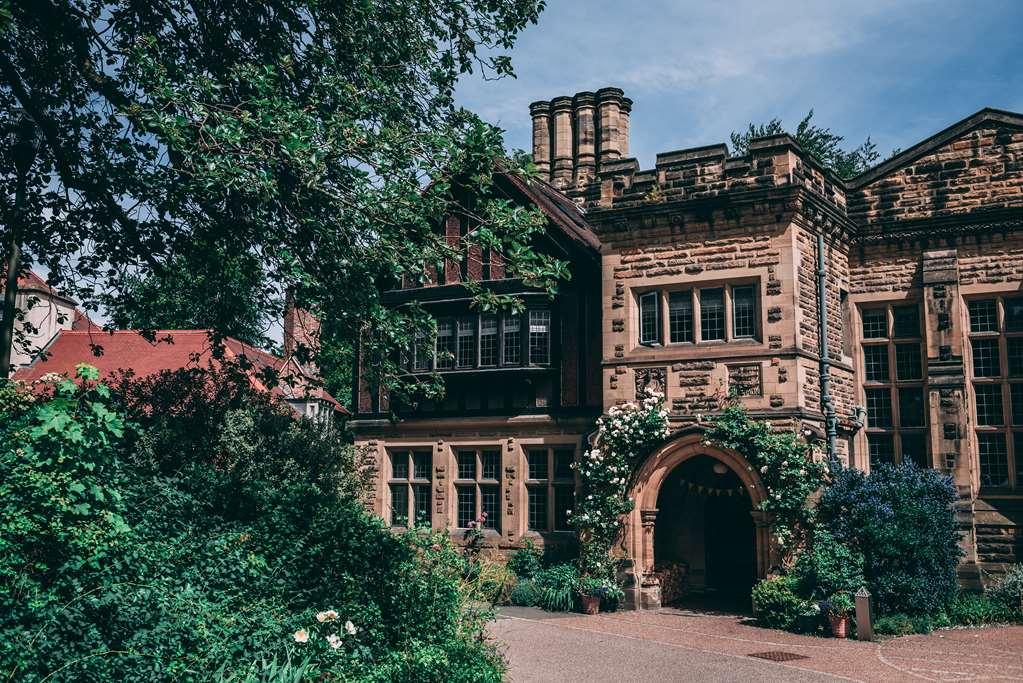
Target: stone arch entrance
{"points": [[650, 481]]}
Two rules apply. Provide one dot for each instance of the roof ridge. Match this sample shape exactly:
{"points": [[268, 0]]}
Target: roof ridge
{"points": [[932, 142]]}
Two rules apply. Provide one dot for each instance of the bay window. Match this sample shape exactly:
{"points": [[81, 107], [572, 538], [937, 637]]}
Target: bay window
{"points": [[485, 341]]}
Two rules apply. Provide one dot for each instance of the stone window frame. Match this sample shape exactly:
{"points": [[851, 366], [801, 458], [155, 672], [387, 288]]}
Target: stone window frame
{"points": [[409, 482], [478, 484], [418, 362], [661, 295], [1005, 330], [889, 440], [554, 483]]}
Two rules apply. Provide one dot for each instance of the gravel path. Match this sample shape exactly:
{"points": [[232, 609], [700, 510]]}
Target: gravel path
{"points": [[673, 645]]}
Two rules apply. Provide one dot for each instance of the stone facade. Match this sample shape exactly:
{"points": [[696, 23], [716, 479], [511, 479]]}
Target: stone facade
{"points": [[707, 273]]}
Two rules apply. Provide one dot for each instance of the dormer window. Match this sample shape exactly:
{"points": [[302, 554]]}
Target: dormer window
{"points": [[539, 337], [511, 339], [445, 344], [466, 343], [486, 342]]}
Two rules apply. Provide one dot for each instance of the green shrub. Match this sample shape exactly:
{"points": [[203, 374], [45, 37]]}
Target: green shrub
{"points": [[894, 625], [275, 670], [922, 623], [901, 520], [1007, 593], [112, 571], [777, 604], [973, 609], [827, 567], [212, 417], [556, 587], [527, 562], [524, 594]]}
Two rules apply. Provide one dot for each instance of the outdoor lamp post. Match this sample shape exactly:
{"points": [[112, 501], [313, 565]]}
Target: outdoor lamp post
{"points": [[23, 142]]}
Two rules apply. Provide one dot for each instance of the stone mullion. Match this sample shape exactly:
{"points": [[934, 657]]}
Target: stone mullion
{"points": [[726, 298], [697, 314]]}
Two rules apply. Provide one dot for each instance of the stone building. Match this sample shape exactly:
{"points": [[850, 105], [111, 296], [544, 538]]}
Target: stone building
{"points": [[701, 278]]}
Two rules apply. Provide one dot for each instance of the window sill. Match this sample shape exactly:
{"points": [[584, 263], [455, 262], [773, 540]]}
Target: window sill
{"points": [[487, 370], [1000, 492]]}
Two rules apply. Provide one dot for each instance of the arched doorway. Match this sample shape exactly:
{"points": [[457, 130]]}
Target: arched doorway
{"points": [[726, 533], [704, 537]]}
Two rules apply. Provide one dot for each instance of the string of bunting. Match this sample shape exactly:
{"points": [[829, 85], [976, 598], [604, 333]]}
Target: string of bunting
{"points": [[704, 490]]}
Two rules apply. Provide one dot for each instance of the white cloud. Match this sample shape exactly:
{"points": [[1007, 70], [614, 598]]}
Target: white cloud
{"points": [[697, 70]]}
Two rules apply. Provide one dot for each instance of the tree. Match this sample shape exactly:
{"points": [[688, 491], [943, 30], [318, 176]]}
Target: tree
{"points": [[320, 139], [206, 290], [821, 143]]}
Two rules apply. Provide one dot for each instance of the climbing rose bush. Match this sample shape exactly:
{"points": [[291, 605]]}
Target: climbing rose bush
{"points": [[624, 434]]}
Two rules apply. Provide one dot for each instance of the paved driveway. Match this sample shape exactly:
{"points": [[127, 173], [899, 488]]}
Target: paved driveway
{"points": [[672, 645]]}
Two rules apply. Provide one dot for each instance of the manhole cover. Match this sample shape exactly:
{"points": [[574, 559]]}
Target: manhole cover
{"points": [[778, 656]]}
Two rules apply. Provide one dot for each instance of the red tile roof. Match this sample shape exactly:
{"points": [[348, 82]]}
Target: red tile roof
{"points": [[172, 350]]}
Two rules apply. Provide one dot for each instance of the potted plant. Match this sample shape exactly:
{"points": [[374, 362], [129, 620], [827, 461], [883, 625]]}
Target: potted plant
{"points": [[810, 618], [840, 609], [591, 591]]}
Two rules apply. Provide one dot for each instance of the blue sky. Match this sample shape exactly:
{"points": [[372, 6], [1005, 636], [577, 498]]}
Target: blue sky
{"points": [[898, 71]]}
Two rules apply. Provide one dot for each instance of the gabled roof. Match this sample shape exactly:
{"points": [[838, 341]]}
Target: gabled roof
{"points": [[936, 141], [561, 210], [172, 350], [30, 281]]}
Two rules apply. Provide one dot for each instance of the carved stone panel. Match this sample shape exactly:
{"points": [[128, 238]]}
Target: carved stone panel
{"points": [[745, 380], [650, 380]]}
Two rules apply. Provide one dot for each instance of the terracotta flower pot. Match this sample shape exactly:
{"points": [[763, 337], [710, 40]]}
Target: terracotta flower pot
{"points": [[591, 604], [839, 625]]}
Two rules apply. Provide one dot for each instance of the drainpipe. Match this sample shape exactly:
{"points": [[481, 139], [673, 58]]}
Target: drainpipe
{"points": [[825, 370]]}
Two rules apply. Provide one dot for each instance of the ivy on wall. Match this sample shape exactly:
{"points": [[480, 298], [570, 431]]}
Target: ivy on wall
{"points": [[786, 462]]}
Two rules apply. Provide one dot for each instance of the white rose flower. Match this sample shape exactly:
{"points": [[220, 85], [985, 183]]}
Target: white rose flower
{"points": [[328, 615], [301, 636], [350, 628], [334, 640]]}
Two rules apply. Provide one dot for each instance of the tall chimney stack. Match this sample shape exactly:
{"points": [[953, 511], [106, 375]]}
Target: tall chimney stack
{"points": [[574, 136], [541, 113], [609, 103], [301, 335], [585, 137], [623, 127], [561, 112]]}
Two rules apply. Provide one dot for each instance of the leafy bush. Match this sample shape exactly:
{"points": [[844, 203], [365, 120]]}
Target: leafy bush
{"points": [[524, 594], [922, 623], [112, 571], [901, 520], [213, 417], [974, 609], [556, 587], [527, 562], [1007, 593], [827, 567], [777, 604], [894, 625]]}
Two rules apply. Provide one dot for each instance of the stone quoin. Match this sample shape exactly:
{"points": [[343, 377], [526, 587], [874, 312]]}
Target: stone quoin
{"points": [[700, 277]]}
